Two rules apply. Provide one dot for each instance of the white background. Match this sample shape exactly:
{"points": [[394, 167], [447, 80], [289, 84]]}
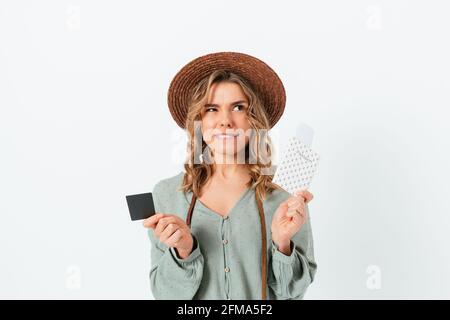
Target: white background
{"points": [[84, 122]]}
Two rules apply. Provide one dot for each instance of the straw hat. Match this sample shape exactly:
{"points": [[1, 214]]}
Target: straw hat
{"points": [[261, 77]]}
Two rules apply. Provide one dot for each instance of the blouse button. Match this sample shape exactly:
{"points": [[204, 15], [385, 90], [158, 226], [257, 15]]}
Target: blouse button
{"points": [[225, 241], [227, 269]]}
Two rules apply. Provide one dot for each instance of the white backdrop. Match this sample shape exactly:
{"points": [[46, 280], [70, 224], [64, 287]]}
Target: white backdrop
{"points": [[84, 122]]}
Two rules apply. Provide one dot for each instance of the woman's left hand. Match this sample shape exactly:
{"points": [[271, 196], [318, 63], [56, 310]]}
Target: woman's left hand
{"points": [[289, 218]]}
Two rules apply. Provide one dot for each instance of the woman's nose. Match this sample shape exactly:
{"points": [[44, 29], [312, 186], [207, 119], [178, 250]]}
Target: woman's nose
{"points": [[226, 120]]}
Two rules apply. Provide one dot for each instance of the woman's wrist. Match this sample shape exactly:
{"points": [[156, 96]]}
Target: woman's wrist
{"points": [[285, 248], [283, 245], [184, 253]]}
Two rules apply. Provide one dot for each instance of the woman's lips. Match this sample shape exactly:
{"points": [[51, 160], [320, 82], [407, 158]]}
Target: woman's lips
{"points": [[225, 136]]}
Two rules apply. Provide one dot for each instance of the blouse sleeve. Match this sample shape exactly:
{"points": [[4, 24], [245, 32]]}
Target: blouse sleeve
{"points": [[290, 276], [170, 276], [173, 278]]}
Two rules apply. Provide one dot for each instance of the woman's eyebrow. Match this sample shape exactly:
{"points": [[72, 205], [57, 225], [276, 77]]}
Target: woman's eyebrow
{"points": [[208, 105]]}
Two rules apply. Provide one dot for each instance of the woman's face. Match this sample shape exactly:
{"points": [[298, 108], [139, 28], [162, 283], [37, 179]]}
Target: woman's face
{"points": [[226, 113]]}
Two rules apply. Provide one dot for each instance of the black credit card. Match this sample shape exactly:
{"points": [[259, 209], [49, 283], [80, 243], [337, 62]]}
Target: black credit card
{"points": [[141, 206]]}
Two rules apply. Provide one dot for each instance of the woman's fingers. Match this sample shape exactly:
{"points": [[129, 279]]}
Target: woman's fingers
{"points": [[297, 212], [298, 208], [174, 238], [153, 220], [170, 229], [307, 196], [291, 204], [295, 201], [303, 196], [293, 212], [162, 224]]}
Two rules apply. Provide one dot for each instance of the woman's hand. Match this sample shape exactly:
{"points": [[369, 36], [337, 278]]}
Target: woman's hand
{"points": [[289, 218], [172, 231]]}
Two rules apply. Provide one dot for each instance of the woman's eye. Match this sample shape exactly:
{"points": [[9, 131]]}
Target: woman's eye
{"points": [[240, 106]]}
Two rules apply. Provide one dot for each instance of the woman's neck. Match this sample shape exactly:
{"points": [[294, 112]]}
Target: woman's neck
{"points": [[231, 171]]}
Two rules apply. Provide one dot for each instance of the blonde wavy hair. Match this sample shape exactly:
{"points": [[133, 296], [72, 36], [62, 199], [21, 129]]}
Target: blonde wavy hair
{"points": [[197, 172]]}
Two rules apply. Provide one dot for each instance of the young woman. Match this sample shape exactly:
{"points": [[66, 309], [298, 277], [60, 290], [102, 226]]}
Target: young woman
{"points": [[223, 230]]}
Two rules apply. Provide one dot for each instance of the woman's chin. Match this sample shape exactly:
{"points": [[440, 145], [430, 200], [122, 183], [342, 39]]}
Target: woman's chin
{"points": [[225, 153]]}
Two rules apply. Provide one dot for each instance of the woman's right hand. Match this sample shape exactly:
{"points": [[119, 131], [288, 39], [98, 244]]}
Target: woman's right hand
{"points": [[172, 231]]}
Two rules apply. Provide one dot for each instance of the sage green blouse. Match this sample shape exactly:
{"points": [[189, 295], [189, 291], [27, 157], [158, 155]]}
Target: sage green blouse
{"points": [[226, 260]]}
